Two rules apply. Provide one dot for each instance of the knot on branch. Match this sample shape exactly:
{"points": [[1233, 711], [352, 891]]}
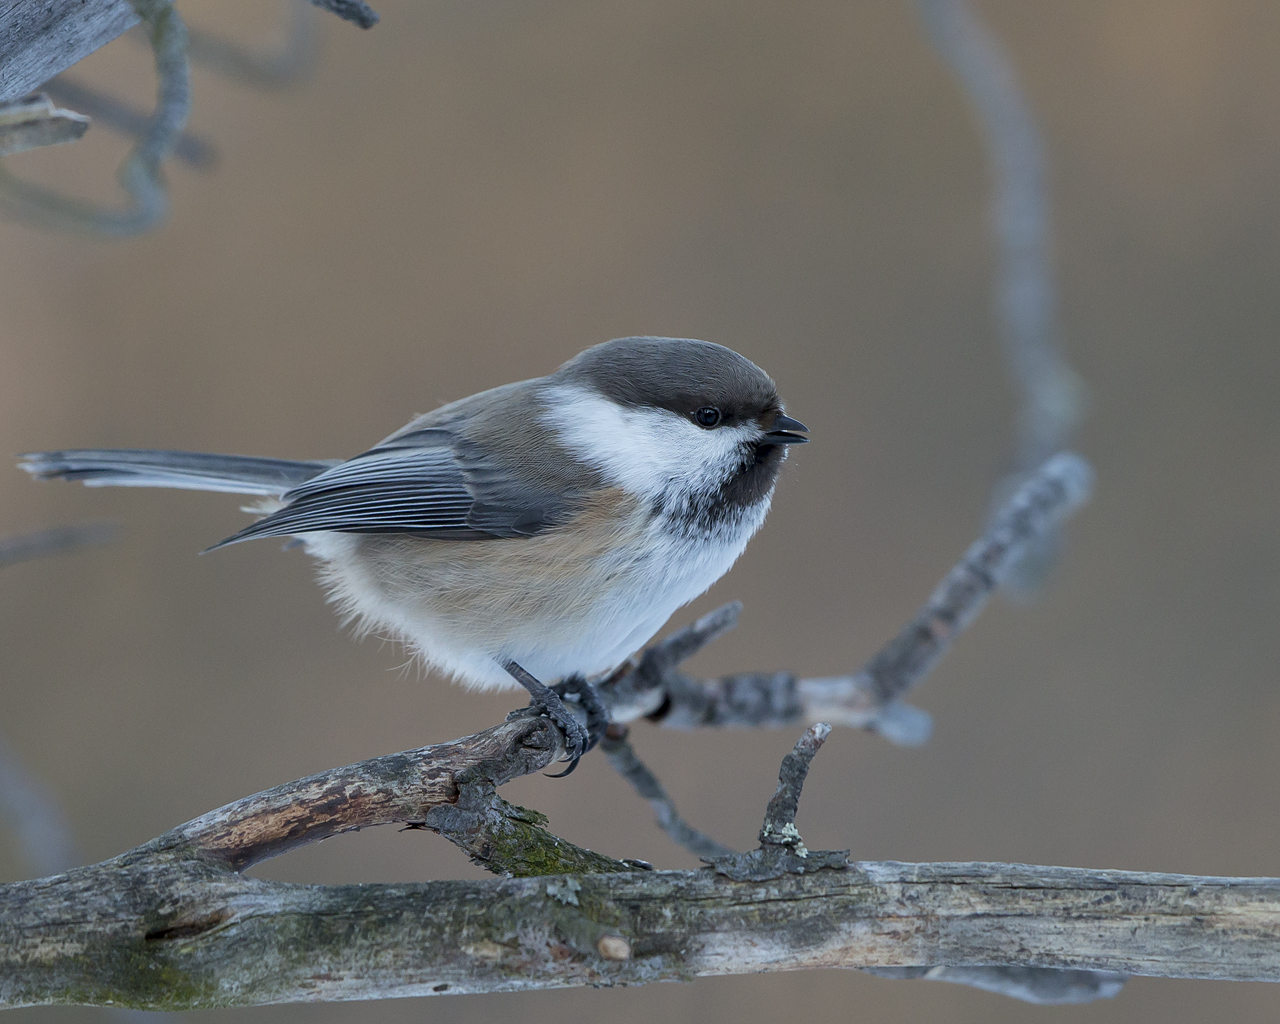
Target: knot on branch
{"points": [[781, 850]]}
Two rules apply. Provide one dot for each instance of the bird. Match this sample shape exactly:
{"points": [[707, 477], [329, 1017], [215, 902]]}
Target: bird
{"points": [[540, 530]]}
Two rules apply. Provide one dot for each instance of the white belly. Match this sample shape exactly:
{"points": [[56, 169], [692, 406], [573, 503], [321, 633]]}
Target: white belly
{"points": [[555, 607]]}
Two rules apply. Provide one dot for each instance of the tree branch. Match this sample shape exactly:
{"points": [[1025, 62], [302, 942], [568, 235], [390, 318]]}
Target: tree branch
{"points": [[174, 924], [164, 931]]}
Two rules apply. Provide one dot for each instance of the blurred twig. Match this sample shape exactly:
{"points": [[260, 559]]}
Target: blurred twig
{"points": [[355, 11], [623, 760], [262, 68], [1051, 394], [35, 819], [121, 117], [54, 541], [141, 172]]}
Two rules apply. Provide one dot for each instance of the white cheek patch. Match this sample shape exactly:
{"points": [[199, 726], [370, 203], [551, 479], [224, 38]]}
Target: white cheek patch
{"points": [[643, 450]]}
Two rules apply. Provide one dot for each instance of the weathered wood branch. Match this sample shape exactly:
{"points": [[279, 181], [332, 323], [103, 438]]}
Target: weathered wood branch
{"points": [[174, 925], [173, 933]]}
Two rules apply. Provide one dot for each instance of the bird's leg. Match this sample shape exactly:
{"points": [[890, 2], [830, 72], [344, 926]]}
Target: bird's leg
{"points": [[548, 702]]}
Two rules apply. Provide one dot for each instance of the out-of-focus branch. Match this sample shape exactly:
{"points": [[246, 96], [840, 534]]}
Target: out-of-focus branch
{"points": [[355, 11], [125, 119], [624, 760], [262, 67], [141, 172], [53, 542], [1052, 396], [1021, 221]]}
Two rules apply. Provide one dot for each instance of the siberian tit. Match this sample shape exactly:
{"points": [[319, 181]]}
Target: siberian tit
{"points": [[541, 530]]}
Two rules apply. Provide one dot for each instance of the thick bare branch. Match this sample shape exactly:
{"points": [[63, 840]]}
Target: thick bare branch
{"points": [[41, 39], [169, 933]]}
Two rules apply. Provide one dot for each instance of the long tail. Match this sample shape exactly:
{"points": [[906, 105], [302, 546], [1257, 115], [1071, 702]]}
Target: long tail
{"points": [[194, 471]]}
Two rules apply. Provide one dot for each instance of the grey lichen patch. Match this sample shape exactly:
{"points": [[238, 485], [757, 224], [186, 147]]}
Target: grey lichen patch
{"points": [[785, 835], [565, 890]]}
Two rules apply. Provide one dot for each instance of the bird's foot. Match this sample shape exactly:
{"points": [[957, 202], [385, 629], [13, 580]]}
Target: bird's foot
{"points": [[578, 739]]}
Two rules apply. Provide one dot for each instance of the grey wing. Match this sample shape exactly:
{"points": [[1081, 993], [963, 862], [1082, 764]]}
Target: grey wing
{"points": [[427, 482]]}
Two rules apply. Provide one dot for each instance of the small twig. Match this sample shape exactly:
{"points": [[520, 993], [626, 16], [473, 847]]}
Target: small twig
{"points": [[34, 122], [781, 850], [779, 828], [622, 758], [54, 541], [356, 11]]}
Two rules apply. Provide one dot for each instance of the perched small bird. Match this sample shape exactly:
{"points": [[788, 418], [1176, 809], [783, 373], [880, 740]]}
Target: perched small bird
{"points": [[537, 531]]}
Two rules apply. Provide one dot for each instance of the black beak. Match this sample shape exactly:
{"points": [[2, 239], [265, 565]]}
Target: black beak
{"points": [[783, 431]]}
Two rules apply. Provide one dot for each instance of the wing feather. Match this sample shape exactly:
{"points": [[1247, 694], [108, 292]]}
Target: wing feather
{"points": [[419, 483]]}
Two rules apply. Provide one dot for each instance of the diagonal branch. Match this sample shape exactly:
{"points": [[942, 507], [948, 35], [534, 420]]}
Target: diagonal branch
{"points": [[870, 698]]}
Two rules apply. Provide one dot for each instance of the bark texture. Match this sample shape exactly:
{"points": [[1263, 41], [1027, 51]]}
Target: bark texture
{"points": [[174, 932]]}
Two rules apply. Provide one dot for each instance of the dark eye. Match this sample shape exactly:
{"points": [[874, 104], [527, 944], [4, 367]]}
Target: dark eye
{"points": [[708, 416]]}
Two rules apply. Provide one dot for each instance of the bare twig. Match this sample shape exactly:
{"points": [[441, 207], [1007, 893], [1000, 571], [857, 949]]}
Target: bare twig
{"points": [[870, 698], [623, 760], [779, 828], [34, 121], [781, 850]]}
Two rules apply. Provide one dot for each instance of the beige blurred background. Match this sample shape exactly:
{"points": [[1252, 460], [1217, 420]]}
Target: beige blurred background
{"points": [[469, 194]]}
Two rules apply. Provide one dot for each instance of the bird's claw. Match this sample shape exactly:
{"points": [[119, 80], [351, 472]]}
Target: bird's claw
{"points": [[549, 701]]}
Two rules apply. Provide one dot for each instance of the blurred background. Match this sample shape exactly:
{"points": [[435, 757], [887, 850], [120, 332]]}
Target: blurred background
{"points": [[471, 193]]}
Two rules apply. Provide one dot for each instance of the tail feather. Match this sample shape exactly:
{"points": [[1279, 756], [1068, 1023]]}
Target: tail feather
{"points": [[195, 471]]}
